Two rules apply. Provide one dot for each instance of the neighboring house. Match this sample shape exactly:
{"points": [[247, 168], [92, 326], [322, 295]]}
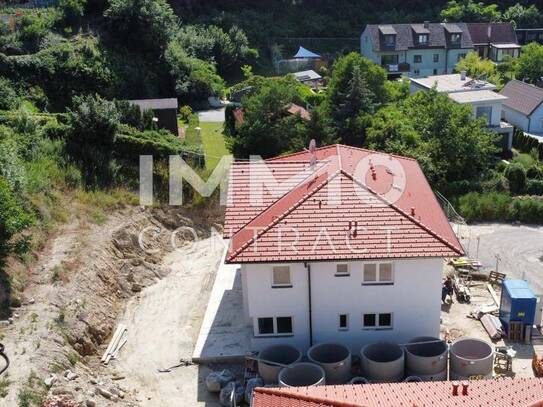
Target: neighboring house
{"points": [[309, 78], [474, 393], [479, 94], [528, 35], [164, 110], [293, 108], [524, 106], [494, 40], [332, 253], [416, 50]]}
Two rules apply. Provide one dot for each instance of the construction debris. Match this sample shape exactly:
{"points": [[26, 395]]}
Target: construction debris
{"points": [[537, 364], [232, 393], [216, 381], [493, 326], [493, 294], [117, 342]]}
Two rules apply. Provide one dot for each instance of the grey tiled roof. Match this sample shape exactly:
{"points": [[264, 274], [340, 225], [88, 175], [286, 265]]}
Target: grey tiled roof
{"points": [[503, 33], [405, 38], [523, 97], [155, 104]]}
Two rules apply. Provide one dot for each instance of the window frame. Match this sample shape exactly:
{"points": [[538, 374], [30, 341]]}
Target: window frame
{"points": [[343, 274], [377, 319], [423, 36], [256, 327], [461, 55], [436, 58], [346, 327], [378, 280], [392, 38], [417, 59], [281, 285], [456, 38]]}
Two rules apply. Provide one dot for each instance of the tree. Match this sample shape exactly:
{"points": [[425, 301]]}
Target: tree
{"points": [[450, 146], [267, 129], [72, 10], [94, 122], [516, 175], [530, 63], [523, 17], [151, 22], [475, 66], [13, 218], [470, 12], [357, 88]]}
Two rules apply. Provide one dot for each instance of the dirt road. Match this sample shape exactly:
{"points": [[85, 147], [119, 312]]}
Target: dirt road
{"points": [[163, 323]]}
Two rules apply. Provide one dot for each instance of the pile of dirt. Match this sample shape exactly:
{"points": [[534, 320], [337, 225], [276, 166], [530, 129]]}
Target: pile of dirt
{"points": [[77, 291]]}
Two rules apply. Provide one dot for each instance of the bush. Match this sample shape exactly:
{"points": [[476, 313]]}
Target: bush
{"points": [[534, 172], [534, 187], [516, 175], [484, 207], [527, 210]]}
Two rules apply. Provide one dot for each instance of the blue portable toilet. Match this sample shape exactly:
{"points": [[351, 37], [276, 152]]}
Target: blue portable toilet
{"points": [[518, 303]]}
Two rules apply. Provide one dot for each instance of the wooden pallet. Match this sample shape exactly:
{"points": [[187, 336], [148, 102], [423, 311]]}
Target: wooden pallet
{"points": [[496, 278], [516, 331]]}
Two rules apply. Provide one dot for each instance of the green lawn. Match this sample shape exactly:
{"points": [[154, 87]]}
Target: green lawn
{"points": [[213, 143]]}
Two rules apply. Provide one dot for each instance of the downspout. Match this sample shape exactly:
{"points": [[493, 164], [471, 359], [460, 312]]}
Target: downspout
{"points": [[308, 267]]}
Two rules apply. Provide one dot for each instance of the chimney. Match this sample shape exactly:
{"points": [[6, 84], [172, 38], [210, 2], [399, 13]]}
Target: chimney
{"points": [[426, 24], [463, 75], [489, 32], [465, 388], [455, 388], [412, 211]]}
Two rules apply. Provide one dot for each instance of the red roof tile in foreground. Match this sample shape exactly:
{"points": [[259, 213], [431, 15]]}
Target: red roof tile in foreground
{"points": [[298, 221], [481, 393]]}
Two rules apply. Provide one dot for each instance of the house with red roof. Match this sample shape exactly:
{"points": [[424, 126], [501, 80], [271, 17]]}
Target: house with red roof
{"points": [[337, 244], [479, 393]]}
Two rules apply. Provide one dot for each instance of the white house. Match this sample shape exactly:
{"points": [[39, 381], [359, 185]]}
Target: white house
{"points": [[524, 106], [479, 94], [343, 245]]}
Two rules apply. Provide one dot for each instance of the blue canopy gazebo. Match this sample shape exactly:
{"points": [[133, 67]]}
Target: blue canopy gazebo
{"points": [[305, 54]]}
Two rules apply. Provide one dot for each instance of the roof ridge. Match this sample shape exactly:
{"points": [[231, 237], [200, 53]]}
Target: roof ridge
{"points": [[406, 215], [305, 397], [277, 219], [376, 152]]}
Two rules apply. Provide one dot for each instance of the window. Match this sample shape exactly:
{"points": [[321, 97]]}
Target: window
{"points": [[455, 38], [370, 273], [416, 72], [390, 40], [436, 57], [377, 321], [369, 321], [284, 325], [342, 270], [417, 59], [484, 111], [378, 273], [385, 320], [435, 71], [265, 326], [278, 326], [460, 56], [343, 323], [389, 60], [281, 277], [422, 39]]}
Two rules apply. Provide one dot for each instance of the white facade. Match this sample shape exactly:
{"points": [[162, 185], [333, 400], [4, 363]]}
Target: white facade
{"points": [[410, 301], [532, 123]]}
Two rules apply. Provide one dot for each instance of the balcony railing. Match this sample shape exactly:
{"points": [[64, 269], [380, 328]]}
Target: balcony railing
{"points": [[401, 67]]}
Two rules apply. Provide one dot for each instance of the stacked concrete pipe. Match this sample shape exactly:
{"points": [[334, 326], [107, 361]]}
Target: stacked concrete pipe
{"points": [[335, 359], [383, 362], [471, 357], [274, 358], [426, 357], [302, 375]]}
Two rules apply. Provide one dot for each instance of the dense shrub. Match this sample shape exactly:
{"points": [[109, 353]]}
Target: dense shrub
{"points": [[526, 143], [534, 187], [516, 175], [535, 172], [484, 207], [527, 210]]}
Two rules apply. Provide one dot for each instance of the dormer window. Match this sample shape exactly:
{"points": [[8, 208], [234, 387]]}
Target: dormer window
{"points": [[455, 38], [422, 39], [390, 40]]}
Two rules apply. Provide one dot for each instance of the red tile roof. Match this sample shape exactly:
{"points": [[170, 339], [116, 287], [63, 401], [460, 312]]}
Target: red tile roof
{"points": [[298, 222], [293, 108], [481, 393]]}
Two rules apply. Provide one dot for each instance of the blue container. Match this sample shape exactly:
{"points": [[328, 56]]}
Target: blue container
{"points": [[518, 303]]}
